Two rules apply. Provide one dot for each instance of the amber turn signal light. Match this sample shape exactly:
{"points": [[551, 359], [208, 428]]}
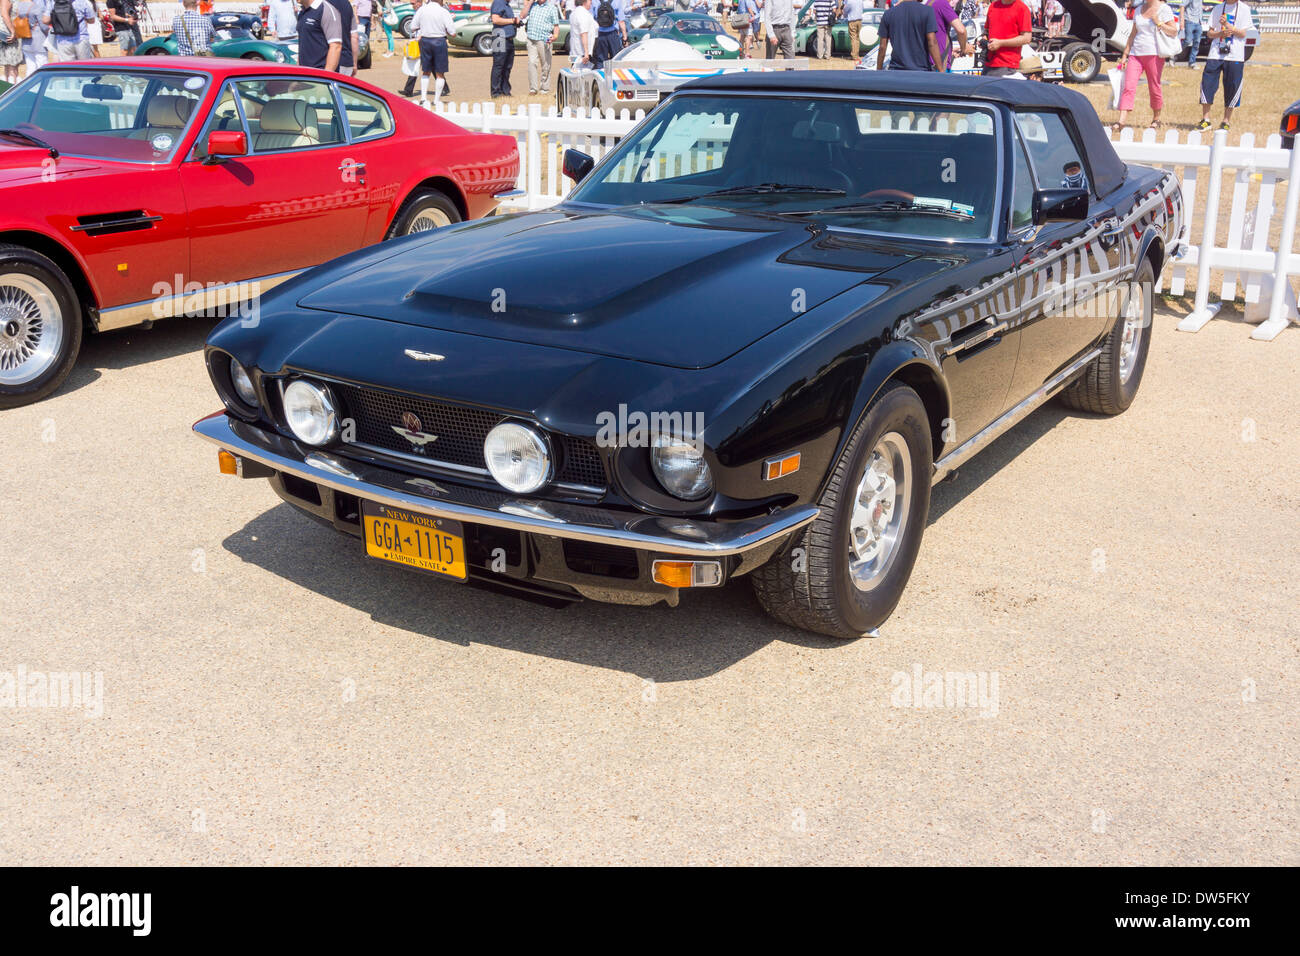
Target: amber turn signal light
{"points": [[780, 467], [687, 574], [227, 463]]}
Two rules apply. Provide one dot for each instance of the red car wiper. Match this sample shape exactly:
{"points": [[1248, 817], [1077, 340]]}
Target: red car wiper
{"points": [[35, 141]]}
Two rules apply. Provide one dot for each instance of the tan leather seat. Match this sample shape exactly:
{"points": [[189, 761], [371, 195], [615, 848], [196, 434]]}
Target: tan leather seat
{"points": [[165, 113], [285, 124]]}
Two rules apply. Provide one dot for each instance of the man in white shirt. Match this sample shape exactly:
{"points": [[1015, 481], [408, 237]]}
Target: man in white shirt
{"points": [[780, 27], [582, 34], [432, 24], [1227, 33], [283, 20]]}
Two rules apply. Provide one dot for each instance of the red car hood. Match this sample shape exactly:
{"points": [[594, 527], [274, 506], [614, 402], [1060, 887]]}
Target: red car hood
{"points": [[20, 163]]}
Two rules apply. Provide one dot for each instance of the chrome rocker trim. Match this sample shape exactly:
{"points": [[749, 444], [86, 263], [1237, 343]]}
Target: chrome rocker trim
{"points": [[663, 534], [1010, 418], [169, 307]]}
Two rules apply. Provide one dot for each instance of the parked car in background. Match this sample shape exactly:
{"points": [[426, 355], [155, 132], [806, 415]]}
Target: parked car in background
{"points": [[459, 11], [805, 37], [475, 33], [697, 30], [134, 190], [238, 36], [1290, 125], [822, 321]]}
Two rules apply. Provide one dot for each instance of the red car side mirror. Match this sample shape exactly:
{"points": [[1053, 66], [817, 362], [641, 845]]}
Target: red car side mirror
{"points": [[227, 142]]}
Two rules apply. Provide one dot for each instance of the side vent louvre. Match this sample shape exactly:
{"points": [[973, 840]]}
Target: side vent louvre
{"points": [[109, 223]]}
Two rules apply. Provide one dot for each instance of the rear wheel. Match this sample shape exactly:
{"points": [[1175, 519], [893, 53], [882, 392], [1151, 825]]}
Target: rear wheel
{"points": [[40, 326], [404, 27], [157, 51], [423, 211], [483, 44], [253, 56], [843, 574], [1080, 63], [1110, 382]]}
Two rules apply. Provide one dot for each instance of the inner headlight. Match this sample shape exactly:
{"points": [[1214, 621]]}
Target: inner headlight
{"points": [[243, 384], [280, 57], [517, 457], [680, 467], [309, 410]]}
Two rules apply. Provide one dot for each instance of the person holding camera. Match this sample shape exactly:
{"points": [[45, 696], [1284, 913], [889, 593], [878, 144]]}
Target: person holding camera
{"points": [[1227, 58]]}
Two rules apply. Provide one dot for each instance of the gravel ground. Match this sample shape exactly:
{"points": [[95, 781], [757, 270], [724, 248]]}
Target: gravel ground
{"points": [[270, 695]]}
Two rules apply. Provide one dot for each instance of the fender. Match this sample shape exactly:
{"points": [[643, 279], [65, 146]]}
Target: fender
{"points": [[1151, 242], [48, 239], [907, 361]]}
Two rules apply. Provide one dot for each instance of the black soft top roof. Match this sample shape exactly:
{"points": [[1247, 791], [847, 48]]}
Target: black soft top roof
{"points": [[1107, 169]]}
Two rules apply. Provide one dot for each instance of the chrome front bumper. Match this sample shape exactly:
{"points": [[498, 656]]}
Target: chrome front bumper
{"points": [[691, 537]]}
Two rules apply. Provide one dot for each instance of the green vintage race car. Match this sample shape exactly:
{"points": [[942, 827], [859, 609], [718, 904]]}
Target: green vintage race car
{"points": [[459, 11], [805, 36], [698, 30], [235, 39], [475, 33]]}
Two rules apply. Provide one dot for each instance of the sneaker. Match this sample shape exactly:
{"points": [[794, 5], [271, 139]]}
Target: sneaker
{"points": [[388, 54], [1223, 126], [1203, 124]]}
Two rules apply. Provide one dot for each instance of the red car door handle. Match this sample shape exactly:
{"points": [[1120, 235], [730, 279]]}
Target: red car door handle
{"points": [[349, 165]]}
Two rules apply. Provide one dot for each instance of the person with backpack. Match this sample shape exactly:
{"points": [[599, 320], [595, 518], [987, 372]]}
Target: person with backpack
{"points": [[611, 30], [69, 29]]}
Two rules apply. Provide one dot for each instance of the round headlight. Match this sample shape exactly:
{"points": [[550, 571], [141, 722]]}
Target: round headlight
{"points": [[243, 384], [280, 57], [309, 410], [517, 457], [681, 468]]}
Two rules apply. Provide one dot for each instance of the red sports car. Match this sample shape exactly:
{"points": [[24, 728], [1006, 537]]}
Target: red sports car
{"points": [[131, 192]]}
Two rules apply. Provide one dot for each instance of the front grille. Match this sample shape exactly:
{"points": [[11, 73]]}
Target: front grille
{"points": [[460, 432]]}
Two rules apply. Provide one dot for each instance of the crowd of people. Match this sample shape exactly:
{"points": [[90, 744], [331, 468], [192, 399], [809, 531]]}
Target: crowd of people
{"points": [[914, 35]]}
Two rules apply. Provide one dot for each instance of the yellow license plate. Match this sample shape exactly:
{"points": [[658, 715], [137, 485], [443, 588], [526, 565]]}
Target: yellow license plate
{"points": [[415, 540]]}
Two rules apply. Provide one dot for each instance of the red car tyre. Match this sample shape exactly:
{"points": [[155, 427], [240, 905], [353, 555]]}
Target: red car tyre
{"points": [[424, 209], [40, 326]]}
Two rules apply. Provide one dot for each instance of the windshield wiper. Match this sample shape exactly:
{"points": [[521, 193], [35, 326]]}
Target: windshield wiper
{"points": [[35, 141], [883, 205], [757, 190]]}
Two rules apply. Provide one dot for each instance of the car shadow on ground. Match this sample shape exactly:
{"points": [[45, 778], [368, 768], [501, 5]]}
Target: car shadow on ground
{"points": [[988, 462], [707, 633], [127, 348]]}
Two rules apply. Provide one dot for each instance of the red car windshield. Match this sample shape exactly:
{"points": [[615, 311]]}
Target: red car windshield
{"points": [[131, 117]]}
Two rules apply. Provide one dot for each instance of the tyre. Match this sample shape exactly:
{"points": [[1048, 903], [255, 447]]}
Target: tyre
{"points": [[363, 63], [156, 51], [253, 56], [483, 44], [1109, 383], [843, 574], [404, 27], [1080, 63], [424, 209], [40, 326]]}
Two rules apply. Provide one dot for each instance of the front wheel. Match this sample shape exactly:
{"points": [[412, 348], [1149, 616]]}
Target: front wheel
{"points": [[253, 56], [1109, 383], [404, 27], [424, 210], [844, 574], [483, 44], [157, 51], [40, 326]]}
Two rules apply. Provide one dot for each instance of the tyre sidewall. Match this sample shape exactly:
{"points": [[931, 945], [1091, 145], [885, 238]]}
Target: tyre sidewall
{"points": [[39, 267], [417, 203], [1125, 392], [898, 410]]}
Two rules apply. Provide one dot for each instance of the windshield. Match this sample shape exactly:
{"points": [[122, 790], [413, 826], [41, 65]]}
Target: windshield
{"points": [[928, 170], [697, 27], [133, 117], [234, 33]]}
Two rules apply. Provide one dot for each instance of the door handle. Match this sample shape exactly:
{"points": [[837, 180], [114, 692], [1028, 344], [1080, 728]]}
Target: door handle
{"points": [[1111, 231], [359, 168]]}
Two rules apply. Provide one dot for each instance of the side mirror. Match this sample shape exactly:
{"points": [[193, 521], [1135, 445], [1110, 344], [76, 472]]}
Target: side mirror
{"points": [[577, 164], [226, 142], [1060, 205]]}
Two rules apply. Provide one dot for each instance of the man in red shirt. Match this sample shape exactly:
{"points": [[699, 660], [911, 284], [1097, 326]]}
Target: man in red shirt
{"points": [[1007, 25]]}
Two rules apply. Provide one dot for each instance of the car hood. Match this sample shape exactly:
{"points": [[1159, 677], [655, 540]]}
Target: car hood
{"points": [[21, 163], [677, 286]]}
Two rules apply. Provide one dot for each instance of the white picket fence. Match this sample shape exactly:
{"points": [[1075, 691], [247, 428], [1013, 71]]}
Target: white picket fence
{"points": [[1276, 18], [1253, 253]]}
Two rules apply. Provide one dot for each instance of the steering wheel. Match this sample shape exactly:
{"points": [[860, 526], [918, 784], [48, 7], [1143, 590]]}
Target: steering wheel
{"points": [[890, 194]]}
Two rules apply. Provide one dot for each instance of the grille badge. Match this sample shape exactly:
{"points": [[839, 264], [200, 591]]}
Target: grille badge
{"points": [[410, 429], [424, 356]]}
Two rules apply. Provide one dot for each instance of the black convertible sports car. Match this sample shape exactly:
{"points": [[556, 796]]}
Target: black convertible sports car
{"points": [[747, 344]]}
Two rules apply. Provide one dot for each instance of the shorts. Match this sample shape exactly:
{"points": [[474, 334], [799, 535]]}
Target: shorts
{"points": [[433, 55], [1232, 74]]}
